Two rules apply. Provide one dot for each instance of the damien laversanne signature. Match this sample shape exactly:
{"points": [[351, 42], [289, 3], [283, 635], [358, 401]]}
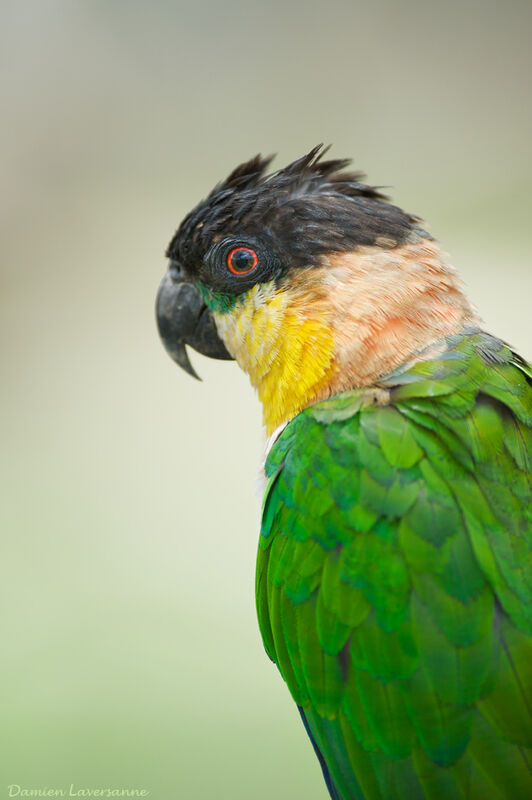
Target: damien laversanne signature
{"points": [[15, 790]]}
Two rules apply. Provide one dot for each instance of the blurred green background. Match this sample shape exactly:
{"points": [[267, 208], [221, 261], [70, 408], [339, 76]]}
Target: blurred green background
{"points": [[131, 655]]}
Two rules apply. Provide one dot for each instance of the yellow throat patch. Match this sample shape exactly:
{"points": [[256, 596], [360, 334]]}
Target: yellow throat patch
{"points": [[288, 355]]}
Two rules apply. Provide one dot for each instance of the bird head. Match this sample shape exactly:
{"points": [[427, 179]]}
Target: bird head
{"points": [[309, 278]]}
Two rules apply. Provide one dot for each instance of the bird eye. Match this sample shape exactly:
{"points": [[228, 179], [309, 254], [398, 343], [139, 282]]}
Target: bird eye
{"points": [[242, 260]]}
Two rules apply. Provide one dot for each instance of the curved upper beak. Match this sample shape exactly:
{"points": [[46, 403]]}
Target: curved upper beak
{"points": [[183, 318]]}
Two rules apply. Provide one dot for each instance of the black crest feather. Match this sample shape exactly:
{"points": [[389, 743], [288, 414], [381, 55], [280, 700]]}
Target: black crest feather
{"points": [[309, 208]]}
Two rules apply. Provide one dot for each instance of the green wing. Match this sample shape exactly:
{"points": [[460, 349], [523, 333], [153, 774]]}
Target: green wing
{"points": [[393, 579]]}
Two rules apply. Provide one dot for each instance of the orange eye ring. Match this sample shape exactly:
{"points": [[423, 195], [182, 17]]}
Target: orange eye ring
{"points": [[246, 256]]}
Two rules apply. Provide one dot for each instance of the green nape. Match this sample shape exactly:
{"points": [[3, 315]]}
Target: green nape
{"points": [[394, 586]]}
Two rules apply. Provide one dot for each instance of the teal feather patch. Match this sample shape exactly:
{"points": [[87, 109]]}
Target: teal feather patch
{"points": [[221, 302]]}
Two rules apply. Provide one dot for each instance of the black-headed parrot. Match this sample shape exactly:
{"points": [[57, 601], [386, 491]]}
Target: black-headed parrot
{"points": [[393, 585]]}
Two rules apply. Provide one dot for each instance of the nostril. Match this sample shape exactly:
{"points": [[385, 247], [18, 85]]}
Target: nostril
{"points": [[176, 271]]}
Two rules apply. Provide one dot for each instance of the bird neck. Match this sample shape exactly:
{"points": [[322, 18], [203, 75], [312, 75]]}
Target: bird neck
{"points": [[342, 325], [390, 305], [287, 351]]}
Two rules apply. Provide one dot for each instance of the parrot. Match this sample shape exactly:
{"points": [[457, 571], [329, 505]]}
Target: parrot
{"points": [[393, 581]]}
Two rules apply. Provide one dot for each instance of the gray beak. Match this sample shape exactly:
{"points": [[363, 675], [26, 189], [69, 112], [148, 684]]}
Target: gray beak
{"points": [[183, 318]]}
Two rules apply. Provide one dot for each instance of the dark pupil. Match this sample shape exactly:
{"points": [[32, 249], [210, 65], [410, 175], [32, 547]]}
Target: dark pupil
{"points": [[242, 260]]}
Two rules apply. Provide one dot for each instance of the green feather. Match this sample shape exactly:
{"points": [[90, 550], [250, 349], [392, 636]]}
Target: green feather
{"points": [[386, 711], [396, 439], [385, 656]]}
